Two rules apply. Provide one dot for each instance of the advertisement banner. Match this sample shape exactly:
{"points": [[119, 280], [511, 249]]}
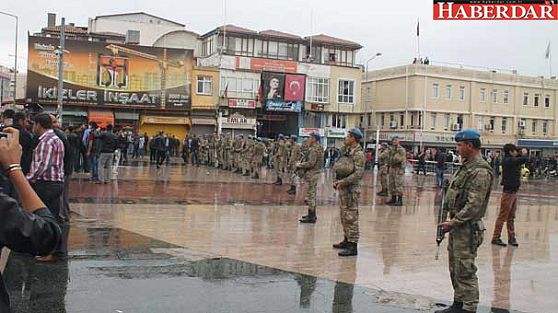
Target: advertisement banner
{"points": [[271, 65], [100, 73], [294, 87], [242, 103], [305, 132], [274, 92]]}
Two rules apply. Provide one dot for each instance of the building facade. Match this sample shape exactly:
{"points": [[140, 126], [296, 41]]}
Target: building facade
{"points": [[427, 104], [285, 83]]}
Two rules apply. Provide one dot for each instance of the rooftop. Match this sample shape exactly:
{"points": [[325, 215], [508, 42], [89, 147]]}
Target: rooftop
{"points": [[322, 38]]}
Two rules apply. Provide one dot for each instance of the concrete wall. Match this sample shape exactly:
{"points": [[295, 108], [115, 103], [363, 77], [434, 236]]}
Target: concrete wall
{"points": [[202, 101]]}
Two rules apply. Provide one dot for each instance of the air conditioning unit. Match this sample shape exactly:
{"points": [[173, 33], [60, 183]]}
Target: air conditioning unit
{"points": [[455, 127], [522, 124], [393, 124]]}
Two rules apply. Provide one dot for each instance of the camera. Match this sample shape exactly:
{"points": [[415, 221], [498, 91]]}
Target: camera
{"points": [[5, 135]]}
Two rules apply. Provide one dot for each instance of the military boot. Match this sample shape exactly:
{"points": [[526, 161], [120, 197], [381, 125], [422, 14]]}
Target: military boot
{"points": [[398, 201], [310, 218], [392, 201], [456, 307], [342, 244], [278, 182], [350, 249], [382, 193], [292, 191]]}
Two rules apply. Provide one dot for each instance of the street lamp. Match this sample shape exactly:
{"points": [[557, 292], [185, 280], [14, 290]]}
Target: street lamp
{"points": [[15, 57], [367, 95]]}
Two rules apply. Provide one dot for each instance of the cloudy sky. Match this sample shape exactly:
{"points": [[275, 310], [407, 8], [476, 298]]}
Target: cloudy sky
{"points": [[380, 26]]}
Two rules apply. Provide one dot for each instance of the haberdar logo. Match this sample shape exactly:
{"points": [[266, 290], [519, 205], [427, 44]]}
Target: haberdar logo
{"points": [[496, 10]]}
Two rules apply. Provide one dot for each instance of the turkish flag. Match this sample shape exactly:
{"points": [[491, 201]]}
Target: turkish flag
{"points": [[294, 87]]}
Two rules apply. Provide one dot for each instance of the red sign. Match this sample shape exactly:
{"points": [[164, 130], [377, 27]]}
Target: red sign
{"points": [[273, 65], [294, 88], [496, 10], [242, 103]]}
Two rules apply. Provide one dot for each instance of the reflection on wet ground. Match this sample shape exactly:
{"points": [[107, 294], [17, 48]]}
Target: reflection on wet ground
{"points": [[189, 239]]}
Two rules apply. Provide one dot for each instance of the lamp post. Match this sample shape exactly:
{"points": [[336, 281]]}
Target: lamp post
{"points": [[15, 58], [367, 98], [60, 91]]}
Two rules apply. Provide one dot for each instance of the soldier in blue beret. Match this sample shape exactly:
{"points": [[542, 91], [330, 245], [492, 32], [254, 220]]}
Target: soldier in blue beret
{"points": [[466, 201]]}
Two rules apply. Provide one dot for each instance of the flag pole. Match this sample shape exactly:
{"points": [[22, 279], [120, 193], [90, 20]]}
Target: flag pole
{"points": [[418, 38]]}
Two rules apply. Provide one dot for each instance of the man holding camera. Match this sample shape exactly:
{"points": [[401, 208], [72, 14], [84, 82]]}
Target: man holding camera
{"points": [[30, 228], [511, 180]]}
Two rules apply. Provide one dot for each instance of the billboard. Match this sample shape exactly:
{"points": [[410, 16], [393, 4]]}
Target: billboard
{"points": [[100, 73], [283, 92]]}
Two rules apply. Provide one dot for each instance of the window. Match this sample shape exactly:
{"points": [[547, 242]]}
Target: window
{"points": [[435, 88], [482, 95], [346, 91], [433, 117], [506, 96], [504, 124], [448, 92], [204, 85], [461, 93], [447, 121], [545, 128], [480, 123], [525, 98], [536, 101], [547, 101], [368, 119], [534, 127], [339, 120], [492, 123], [382, 119], [401, 121], [237, 87], [317, 90], [494, 95]]}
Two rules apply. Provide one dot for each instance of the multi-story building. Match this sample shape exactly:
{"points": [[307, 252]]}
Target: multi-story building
{"points": [[283, 83], [427, 104], [6, 89]]}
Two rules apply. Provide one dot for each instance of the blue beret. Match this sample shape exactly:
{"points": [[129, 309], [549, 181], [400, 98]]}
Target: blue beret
{"points": [[294, 137], [356, 132], [467, 135], [316, 135], [395, 137]]}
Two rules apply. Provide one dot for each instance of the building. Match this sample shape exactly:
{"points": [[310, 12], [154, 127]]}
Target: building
{"points": [[6, 88], [284, 83], [109, 78], [427, 104]]}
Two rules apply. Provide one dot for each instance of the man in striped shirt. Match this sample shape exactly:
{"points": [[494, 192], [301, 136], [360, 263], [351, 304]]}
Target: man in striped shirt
{"points": [[47, 169]]}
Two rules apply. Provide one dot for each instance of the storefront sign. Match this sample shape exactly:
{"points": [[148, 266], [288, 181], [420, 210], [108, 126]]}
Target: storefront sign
{"points": [[242, 103], [257, 64], [165, 120], [435, 138], [109, 74], [238, 121], [283, 106], [389, 136], [272, 117], [537, 143], [305, 132], [336, 133]]}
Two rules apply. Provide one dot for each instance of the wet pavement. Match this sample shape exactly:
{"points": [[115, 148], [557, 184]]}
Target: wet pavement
{"points": [[189, 239]]}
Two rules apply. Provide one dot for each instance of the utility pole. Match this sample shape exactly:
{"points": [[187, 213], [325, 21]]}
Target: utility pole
{"points": [[60, 91]]}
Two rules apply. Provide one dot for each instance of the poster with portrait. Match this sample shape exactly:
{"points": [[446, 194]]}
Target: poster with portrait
{"points": [[273, 86]]}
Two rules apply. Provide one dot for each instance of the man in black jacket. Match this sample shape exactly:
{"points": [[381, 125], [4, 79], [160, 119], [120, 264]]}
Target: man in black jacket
{"points": [[109, 144], [25, 140], [30, 228], [511, 180]]}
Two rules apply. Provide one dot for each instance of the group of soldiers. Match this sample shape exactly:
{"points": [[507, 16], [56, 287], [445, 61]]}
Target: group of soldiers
{"points": [[391, 170]]}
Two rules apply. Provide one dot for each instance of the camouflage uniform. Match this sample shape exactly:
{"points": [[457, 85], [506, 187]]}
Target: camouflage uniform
{"points": [[257, 157], [349, 192], [237, 148], [383, 159], [466, 201], [295, 156], [228, 154], [211, 151], [247, 155], [312, 166], [396, 162]]}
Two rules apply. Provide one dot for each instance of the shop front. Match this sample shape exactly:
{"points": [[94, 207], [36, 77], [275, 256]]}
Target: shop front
{"points": [[178, 126], [542, 148], [335, 137], [237, 124], [203, 125], [102, 118], [126, 120]]}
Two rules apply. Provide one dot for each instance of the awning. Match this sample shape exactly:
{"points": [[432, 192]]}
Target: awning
{"points": [[126, 116], [102, 118]]}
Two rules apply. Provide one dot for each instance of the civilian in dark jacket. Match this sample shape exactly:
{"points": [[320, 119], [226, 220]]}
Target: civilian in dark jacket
{"points": [[30, 228], [25, 140], [511, 180]]}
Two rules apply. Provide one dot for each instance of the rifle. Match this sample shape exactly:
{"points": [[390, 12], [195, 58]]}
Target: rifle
{"points": [[440, 234]]}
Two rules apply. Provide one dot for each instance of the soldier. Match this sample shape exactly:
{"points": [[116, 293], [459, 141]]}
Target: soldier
{"points": [[312, 167], [348, 176], [279, 159], [295, 156], [383, 158], [396, 162], [258, 153], [237, 150], [228, 154], [247, 155], [466, 201]]}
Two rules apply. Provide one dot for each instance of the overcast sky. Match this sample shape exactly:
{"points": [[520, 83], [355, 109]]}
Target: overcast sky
{"points": [[380, 26]]}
